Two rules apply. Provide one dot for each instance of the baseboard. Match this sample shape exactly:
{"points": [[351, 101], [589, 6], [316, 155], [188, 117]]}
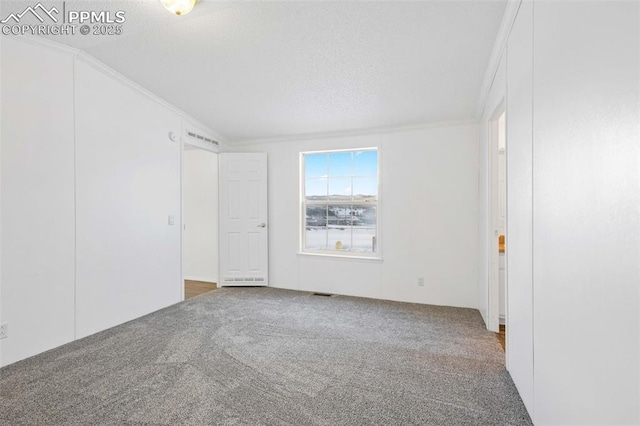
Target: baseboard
{"points": [[502, 320], [483, 314]]}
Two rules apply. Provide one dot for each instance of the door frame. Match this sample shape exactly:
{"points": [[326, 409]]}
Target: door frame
{"points": [[493, 228], [184, 140]]}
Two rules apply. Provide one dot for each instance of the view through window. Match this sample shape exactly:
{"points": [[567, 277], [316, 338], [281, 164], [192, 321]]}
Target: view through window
{"points": [[340, 201]]}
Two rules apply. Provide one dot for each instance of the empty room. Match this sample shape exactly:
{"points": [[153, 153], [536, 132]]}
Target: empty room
{"points": [[320, 212]]}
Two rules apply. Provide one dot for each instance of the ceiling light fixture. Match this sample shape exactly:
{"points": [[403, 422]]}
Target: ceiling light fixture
{"points": [[179, 7]]}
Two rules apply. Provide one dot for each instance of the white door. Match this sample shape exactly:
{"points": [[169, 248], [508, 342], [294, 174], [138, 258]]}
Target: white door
{"points": [[243, 220]]}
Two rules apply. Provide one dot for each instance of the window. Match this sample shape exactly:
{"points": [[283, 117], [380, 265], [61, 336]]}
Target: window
{"points": [[340, 202]]}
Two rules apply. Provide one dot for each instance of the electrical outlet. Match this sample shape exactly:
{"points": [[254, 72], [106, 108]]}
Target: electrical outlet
{"points": [[4, 333], [420, 281]]}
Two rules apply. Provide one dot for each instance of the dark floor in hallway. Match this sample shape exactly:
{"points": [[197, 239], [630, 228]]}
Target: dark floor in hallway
{"points": [[196, 288]]}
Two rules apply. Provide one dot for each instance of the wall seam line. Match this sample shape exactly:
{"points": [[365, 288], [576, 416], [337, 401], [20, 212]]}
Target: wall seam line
{"points": [[533, 340], [75, 207]]}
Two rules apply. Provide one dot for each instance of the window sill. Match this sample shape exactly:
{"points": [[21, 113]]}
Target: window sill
{"points": [[344, 257]]}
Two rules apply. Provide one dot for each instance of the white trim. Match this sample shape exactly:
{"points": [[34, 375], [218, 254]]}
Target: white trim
{"points": [[335, 256], [75, 205], [354, 132], [493, 293], [101, 66], [499, 46], [302, 203], [331, 151], [90, 60], [194, 143], [181, 289], [41, 41]]}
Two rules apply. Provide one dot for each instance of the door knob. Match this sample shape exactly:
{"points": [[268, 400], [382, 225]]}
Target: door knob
{"points": [[262, 225]]}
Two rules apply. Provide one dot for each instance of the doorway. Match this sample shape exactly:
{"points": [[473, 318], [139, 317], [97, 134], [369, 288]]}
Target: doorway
{"points": [[502, 225], [497, 306], [200, 268]]}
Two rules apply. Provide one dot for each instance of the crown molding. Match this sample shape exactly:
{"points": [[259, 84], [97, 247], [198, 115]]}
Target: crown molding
{"points": [[496, 54], [354, 132], [105, 69], [43, 42], [79, 54]]}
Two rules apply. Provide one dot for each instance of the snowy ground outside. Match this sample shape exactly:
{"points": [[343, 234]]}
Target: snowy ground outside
{"points": [[357, 239]]}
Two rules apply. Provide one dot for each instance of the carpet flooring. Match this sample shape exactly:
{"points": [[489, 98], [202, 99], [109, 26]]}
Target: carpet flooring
{"points": [[263, 356]]}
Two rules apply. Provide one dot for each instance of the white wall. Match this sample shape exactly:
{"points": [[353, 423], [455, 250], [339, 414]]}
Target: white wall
{"points": [[128, 183], [200, 204], [573, 225], [37, 199], [89, 177], [519, 254], [1, 137], [586, 198], [429, 218]]}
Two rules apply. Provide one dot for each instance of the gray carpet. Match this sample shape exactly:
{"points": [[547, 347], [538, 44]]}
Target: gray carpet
{"points": [[261, 356]]}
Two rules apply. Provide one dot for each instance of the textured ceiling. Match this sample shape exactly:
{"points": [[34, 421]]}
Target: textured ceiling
{"points": [[258, 69]]}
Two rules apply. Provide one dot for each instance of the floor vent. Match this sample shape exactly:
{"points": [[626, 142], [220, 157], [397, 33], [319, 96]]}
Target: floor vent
{"points": [[322, 294], [243, 279]]}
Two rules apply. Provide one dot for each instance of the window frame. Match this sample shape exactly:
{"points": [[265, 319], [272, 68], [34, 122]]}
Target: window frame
{"points": [[339, 254]]}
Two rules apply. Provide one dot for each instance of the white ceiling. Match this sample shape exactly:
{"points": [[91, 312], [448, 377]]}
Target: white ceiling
{"points": [[258, 69]]}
